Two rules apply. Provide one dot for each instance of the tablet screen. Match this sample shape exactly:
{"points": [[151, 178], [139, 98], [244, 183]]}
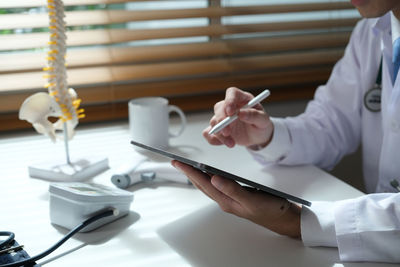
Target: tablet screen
{"points": [[209, 169]]}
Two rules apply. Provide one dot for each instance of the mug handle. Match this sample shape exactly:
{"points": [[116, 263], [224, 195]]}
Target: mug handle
{"points": [[172, 108]]}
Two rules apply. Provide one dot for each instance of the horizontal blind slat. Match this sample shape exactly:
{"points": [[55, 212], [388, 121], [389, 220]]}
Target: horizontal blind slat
{"points": [[116, 55], [274, 8], [40, 3], [93, 37], [96, 75], [104, 17], [121, 92], [43, 3], [209, 84]]}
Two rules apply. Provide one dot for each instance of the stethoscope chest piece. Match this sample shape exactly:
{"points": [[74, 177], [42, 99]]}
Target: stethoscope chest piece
{"points": [[372, 98]]}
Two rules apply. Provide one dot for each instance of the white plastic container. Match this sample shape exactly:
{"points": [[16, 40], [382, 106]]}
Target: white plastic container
{"points": [[73, 203]]}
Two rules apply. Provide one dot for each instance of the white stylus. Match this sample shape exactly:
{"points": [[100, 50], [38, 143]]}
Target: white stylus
{"points": [[228, 120]]}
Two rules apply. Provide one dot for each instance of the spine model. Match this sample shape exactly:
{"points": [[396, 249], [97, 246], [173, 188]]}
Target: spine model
{"points": [[60, 102], [56, 69]]}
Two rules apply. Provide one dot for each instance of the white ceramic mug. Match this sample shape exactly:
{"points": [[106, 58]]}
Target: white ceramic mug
{"points": [[149, 121]]}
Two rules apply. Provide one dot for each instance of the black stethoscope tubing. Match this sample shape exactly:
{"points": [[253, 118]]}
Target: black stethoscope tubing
{"points": [[10, 238]]}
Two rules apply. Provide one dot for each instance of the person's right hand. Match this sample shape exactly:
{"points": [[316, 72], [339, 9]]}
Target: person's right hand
{"points": [[252, 128]]}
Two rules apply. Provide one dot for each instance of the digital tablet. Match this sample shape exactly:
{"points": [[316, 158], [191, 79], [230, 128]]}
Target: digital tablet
{"points": [[212, 170]]}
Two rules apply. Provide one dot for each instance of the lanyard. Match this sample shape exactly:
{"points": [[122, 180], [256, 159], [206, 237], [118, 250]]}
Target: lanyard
{"points": [[378, 80]]}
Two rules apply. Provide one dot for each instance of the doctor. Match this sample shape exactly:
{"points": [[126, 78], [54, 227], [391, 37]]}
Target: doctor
{"points": [[359, 103]]}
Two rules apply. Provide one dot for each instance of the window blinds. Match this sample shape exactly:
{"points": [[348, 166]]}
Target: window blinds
{"points": [[188, 51]]}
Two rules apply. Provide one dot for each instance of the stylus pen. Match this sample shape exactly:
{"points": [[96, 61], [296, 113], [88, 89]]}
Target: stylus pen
{"points": [[228, 120]]}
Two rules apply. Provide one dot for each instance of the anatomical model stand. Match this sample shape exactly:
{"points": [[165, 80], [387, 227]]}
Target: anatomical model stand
{"points": [[61, 102]]}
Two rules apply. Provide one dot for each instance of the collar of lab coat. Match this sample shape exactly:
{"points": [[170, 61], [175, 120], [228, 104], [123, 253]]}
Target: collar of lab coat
{"points": [[382, 24], [382, 29]]}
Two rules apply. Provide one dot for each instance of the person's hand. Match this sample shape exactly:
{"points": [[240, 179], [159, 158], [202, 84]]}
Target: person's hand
{"points": [[253, 126], [274, 213]]}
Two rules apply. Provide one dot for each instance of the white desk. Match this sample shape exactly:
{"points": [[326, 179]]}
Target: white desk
{"points": [[169, 224]]}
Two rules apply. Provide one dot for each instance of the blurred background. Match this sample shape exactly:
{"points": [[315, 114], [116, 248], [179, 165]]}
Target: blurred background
{"points": [[187, 51]]}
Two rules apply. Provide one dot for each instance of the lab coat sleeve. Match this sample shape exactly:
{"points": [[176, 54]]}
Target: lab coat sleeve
{"points": [[366, 228], [277, 148], [331, 125], [318, 225]]}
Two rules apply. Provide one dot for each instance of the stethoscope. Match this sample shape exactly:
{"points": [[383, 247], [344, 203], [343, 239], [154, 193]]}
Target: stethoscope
{"points": [[8, 245], [10, 238], [372, 98]]}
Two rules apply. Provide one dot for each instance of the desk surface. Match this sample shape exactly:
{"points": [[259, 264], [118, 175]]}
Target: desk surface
{"points": [[169, 224]]}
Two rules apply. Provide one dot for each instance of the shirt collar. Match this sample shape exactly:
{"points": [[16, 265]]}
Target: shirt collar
{"points": [[382, 24], [395, 23]]}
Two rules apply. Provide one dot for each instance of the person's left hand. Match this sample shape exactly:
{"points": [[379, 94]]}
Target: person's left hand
{"points": [[274, 213]]}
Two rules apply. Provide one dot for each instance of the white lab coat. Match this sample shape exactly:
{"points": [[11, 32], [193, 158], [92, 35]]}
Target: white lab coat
{"points": [[333, 125]]}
